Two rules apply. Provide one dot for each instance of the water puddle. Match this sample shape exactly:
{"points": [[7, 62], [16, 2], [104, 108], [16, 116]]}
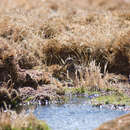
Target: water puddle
{"points": [[77, 114]]}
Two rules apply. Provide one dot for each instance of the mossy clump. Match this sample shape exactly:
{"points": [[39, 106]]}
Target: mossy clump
{"points": [[80, 90], [112, 99], [11, 121], [76, 90]]}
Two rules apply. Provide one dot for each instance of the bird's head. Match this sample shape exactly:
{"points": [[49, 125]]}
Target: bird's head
{"points": [[69, 60]]}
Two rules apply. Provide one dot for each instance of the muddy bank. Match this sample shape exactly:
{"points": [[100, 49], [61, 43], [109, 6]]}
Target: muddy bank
{"points": [[120, 123], [19, 85]]}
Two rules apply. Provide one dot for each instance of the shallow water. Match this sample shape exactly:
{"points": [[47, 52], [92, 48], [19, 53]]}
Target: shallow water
{"points": [[77, 114]]}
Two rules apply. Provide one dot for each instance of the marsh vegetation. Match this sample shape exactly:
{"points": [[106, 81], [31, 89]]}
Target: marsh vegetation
{"points": [[37, 37]]}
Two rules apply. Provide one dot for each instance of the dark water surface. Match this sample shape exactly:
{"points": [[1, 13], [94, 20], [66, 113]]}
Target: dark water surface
{"points": [[77, 114]]}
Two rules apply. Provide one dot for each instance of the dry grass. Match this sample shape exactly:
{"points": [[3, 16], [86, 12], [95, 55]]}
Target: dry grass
{"points": [[10, 98], [10, 120], [92, 79], [46, 32], [41, 34]]}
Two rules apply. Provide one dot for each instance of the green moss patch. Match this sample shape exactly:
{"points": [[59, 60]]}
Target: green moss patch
{"points": [[113, 99], [74, 91], [109, 96]]}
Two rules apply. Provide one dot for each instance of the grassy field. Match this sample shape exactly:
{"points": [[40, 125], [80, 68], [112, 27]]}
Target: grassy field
{"points": [[42, 34]]}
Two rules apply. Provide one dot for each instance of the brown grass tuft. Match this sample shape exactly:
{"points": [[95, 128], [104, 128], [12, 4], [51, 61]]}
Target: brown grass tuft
{"points": [[10, 120], [10, 98]]}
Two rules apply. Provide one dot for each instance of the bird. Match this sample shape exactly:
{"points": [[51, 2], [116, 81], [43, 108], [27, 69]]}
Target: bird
{"points": [[72, 69]]}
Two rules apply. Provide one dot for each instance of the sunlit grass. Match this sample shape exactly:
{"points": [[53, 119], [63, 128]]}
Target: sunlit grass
{"points": [[9, 120]]}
